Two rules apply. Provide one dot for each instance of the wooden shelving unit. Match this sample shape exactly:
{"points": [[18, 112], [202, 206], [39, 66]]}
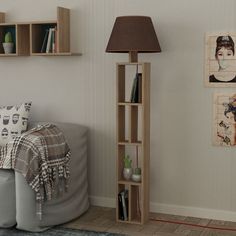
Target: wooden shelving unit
{"points": [[28, 36], [138, 192]]}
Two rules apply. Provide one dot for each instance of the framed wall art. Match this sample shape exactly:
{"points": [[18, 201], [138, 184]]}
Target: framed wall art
{"points": [[224, 120], [220, 59]]}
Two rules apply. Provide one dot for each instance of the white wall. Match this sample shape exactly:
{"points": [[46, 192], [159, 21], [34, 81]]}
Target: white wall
{"points": [[188, 175]]}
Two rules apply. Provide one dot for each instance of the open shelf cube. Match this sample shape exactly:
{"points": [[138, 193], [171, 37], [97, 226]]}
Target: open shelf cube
{"points": [[129, 124], [4, 28], [38, 32], [129, 201], [136, 155], [130, 91], [23, 39]]}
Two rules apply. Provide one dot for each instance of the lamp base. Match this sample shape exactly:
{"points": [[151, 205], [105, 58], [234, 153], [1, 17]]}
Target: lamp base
{"points": [[133, 56]]}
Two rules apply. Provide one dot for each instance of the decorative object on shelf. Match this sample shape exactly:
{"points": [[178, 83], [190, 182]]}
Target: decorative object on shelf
{"points": [[133, 35], [8, 44], [136, 176], [127, 171]]}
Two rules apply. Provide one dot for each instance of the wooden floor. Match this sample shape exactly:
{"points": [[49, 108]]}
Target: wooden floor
{"points": [[103, 219]]}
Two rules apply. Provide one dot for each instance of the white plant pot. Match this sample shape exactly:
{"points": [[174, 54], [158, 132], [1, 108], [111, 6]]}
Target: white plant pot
{"points": [[8, 47], [136, 178], [127, 173]]}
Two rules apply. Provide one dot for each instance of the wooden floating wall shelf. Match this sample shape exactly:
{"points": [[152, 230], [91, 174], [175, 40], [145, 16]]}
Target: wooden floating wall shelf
{"points": [[28, 37]]}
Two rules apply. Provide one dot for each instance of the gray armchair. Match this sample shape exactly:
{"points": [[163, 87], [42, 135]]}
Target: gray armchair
{"points": [[19, 205]]}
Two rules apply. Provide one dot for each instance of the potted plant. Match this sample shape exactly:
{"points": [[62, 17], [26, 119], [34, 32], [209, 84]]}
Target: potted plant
{"points": [[127, 171], [136, 176], [8, 44]]}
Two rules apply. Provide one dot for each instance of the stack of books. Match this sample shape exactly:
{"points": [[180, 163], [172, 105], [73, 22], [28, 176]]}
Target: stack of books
{"points": [[136, 92], [123, 204], [49, 44]]}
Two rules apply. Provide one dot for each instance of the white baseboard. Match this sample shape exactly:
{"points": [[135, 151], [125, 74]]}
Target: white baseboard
{"points": [[173, 209], [193, 211]]}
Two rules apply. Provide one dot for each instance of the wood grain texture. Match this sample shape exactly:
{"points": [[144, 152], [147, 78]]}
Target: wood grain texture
{"points": [[23, 39], [139, 193], [2, 17], [146, 141], [63, 19]]}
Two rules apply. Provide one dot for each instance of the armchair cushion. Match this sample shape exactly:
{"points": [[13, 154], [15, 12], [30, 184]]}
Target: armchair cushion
{"points": [[13, 121]]}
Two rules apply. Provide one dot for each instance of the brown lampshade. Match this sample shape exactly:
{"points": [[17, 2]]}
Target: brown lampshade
{"points": [[133, 34]]}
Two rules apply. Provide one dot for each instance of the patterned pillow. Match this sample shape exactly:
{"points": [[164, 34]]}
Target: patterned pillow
{"points": [[13, 121]]}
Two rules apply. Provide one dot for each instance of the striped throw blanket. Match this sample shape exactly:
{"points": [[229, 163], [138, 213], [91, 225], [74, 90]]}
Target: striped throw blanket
{"points": [[41, 155]]}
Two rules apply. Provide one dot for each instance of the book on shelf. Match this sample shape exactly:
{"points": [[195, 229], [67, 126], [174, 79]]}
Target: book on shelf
{"points": [[54, 40], [43, 48], [140, 87], [124, 206], [121, 214], [52, 46], [133, 91], [49, 40], [49, 44], [136, 92]]}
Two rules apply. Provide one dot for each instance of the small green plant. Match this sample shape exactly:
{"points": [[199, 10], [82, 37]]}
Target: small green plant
{"points": [[8, 37], [127, 161]]}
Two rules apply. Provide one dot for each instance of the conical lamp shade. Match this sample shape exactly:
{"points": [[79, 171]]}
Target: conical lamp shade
{"points": [[133, 33]]}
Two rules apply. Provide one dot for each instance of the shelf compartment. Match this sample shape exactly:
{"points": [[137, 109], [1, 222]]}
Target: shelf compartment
{"points": [[133, 124], [23, 39], [135, 204], [38, 31], [4, 28], [136, 155], [125, 84], [120, 162], [129, 125], [123, 200], [121, 118], [121, 83]]}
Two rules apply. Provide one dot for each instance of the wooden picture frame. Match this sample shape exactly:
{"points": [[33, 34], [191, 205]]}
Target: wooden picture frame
{"points": [[220, 59]]}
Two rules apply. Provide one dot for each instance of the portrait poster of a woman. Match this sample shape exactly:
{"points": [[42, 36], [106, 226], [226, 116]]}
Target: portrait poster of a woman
{"points": [[220, 60]]}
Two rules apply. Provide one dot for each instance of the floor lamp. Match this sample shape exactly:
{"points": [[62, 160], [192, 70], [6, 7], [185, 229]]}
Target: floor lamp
{"points": [[133, 35]]}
